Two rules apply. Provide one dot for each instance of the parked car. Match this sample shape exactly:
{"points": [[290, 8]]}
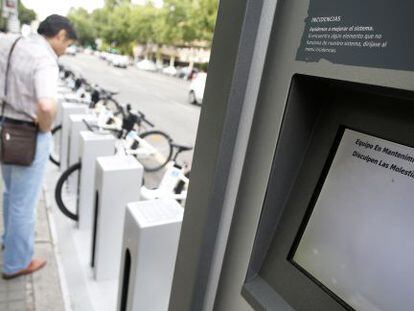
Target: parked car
{"points": [[186, 73], [109, 57], [146, 65], [88, 51], [71, 50], [170, 70], [103, 55], [196, 92], [120, 61]]}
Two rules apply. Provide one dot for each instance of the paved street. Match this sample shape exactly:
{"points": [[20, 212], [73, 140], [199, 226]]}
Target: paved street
{"points": [[163, 99]]}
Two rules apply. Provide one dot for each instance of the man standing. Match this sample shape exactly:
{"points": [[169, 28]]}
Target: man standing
{"points": [[31, 99]]}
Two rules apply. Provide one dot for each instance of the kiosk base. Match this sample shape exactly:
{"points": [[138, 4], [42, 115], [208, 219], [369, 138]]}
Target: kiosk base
{"points": [[117, 182], [151, 234]]}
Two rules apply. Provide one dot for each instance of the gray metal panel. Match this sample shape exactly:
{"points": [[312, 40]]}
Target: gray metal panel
{"points": [[262, 297], [306, 100], [256, 33], [214, 149], [281, 66], [218, 126]]}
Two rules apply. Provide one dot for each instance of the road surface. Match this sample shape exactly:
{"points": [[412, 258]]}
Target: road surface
{"points": [[161, 98]]}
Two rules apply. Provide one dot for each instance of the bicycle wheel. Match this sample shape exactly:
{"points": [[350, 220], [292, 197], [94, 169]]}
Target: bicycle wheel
{"points": [[162, 153], [67, 202], [54, 150]]}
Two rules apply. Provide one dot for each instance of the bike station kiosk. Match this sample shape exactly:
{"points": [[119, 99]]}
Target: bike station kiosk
{"points": [[92, 146], [117, 182], [150, 242], [67, 109], [307, 204], [76, 125]]}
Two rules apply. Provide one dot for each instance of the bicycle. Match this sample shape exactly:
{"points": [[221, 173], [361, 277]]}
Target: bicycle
{"points": [[153, 148], [54, 149], [105, 97], [95, 97], [84, 92], [174, 184], [175, 181]]}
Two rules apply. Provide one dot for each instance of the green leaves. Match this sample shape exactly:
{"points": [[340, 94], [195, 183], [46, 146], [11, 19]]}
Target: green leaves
{"points": [[146, 24], [84, 26], [187, 21], [116, 29], [120, 24], [26, 16]]}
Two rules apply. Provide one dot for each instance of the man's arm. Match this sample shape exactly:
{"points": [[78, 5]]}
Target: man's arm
{"points": [[46, 113], [45, 83]]}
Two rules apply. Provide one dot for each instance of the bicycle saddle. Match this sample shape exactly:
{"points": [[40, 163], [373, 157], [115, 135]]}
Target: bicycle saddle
{"points": [[111, 92], [181, 147]]}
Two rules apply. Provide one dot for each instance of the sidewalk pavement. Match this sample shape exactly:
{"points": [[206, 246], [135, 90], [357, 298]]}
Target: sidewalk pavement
{"points": [[42, 290]]}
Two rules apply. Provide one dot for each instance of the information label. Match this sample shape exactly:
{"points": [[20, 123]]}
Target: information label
{"points": [[371, 33], [359, 241]]}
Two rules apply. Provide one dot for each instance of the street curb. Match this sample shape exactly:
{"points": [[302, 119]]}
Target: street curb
{"points": [[52, 227]]}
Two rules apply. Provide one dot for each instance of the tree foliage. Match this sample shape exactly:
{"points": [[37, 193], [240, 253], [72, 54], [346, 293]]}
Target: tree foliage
{"points": [[206, 21], [84, 26], [180, 22], [121, 24], [146, 24], [117, 27], [26, 16]]}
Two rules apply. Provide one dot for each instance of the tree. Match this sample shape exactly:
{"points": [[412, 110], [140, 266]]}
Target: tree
{"points": [[179, 28], [99, 19], [143, 24], [206, 21], [121, 24], [111, 4], [187, 21], [83, 25], [117, 28], [26, 16]]}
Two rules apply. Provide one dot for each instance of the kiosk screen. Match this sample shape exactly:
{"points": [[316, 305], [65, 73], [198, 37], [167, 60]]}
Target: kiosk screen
{"points": [[357, 241]]}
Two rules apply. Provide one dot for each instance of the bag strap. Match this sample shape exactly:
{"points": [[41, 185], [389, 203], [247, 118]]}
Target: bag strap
{"points": [[8, 65], [6, 84]]}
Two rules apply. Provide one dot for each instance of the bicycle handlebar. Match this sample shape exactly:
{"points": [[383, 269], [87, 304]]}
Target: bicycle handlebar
{"points": [[144, 119]]}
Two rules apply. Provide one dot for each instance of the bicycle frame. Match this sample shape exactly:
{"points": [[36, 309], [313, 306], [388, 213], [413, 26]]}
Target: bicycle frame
{"points": [[169, 182], [144, 148]]}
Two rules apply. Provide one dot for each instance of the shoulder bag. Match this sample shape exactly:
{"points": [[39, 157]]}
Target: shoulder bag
{"points": [[18, 138]]}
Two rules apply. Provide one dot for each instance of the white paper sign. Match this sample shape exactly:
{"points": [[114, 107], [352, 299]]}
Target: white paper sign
{"points": [[359, 241]]}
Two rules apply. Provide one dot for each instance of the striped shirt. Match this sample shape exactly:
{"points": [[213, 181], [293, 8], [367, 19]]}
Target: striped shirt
{"points": [[33, 74]]}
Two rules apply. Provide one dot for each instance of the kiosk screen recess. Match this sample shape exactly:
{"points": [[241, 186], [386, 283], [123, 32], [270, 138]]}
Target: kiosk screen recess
{"points": [[358, 241]]}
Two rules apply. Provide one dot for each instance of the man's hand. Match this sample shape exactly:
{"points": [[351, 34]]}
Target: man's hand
{"points": [[46, 113]]}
